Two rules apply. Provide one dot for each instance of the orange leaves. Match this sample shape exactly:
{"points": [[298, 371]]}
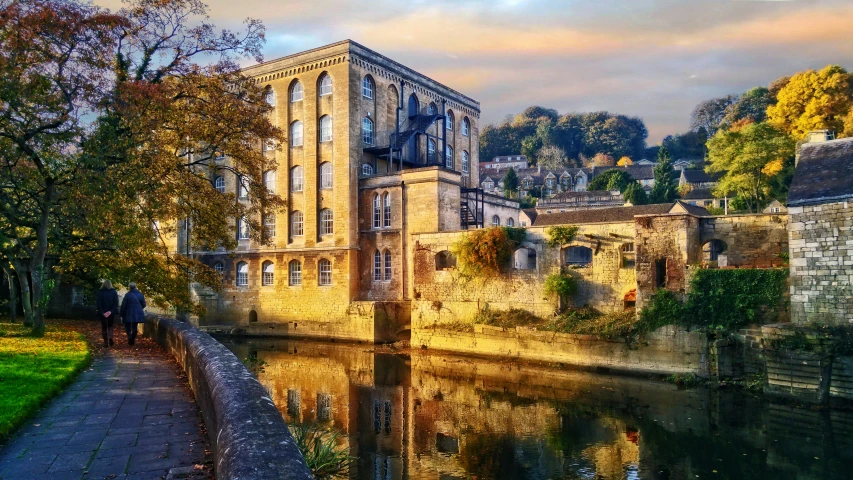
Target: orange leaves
{"points": [[486, 252]]}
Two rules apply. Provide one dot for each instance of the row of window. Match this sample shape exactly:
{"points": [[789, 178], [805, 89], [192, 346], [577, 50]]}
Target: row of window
{"points": [[382, 211], [294, 269], [297, 225], [368, 87], [496, 221], [297, 92], [382, 266], [297, 131], [297, 180]]}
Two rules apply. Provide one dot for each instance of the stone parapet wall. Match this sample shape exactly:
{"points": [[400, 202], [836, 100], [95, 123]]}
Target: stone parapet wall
{"points": [[821, 256], [666, 351], [249, 436], [753, 240]]}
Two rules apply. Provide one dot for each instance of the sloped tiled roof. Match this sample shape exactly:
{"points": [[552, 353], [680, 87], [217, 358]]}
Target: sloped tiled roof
{"points": [[699, 194], [601, 215], [638, 172], [699, 176], [824, 173], [691, 209], [531, 214]]}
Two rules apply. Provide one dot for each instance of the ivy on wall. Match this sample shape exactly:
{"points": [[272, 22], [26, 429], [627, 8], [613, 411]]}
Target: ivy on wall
{"points": [[487, 252]]}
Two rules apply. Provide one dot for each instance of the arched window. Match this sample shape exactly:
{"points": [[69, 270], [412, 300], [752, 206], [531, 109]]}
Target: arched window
{"points": [[510, 222], [711, 250], [296, 92], [296, 224], [269, 225], [242, 186], [267, 273], [496, 221], [325, 128], [269, 180], [295, 271], [628, 255], [270, 96], [367, 169], [466, 126], [243, 230], [367, 87], [296, 134], [449, 121], [464, 161], [367, 131], [326, 175], [387, 265], [219, 184], [242, 274], [327, 225], [325, 85], [430, 151], [432, 109], [324, 267], [524, 259], [219, 267], [444, 260], [377, 266], [578, 255], [387, 210], [448, 157], [377, 211], [296, 179]]}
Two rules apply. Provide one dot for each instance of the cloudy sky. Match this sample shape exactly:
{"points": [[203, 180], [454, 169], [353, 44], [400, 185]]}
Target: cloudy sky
{"points": [[651, 58]]}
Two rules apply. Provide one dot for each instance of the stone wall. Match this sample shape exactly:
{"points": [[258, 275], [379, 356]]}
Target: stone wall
{"points": [[821, 256], [665, 245], [752, 240], [248, 434]]}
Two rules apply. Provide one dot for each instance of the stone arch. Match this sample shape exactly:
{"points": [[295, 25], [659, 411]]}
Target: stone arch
{"points": [[524, 258], [712, 250], [445, 260], [253, 316]]}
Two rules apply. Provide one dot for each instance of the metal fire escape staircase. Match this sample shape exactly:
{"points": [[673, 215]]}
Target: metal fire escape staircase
{"points": [[471, 206]]}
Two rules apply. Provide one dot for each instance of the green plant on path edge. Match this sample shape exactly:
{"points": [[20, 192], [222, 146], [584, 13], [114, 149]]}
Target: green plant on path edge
{"points": [[319, 446]]}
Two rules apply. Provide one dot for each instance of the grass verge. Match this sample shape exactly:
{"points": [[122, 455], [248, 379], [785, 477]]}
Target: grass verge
{"points": [[34, 369]]}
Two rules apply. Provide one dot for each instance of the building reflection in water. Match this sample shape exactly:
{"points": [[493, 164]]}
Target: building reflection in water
{"points": [[434, 416]]}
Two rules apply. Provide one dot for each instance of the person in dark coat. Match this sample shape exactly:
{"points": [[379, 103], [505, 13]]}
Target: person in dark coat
{"points": [[132, 312], [107, 310]]}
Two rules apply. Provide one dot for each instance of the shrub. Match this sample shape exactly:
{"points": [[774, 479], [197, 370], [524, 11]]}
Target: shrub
{"points": [[486, 252], [729, 299], [664, 308], [320, 448], [514, 317], [561, 284], [561, 234]]}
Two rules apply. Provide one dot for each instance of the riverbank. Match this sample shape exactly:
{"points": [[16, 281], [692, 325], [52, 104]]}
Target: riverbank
{"points": [[35, 369]]}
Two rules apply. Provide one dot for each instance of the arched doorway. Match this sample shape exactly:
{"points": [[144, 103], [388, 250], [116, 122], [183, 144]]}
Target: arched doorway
{"points": [[712, 249]]}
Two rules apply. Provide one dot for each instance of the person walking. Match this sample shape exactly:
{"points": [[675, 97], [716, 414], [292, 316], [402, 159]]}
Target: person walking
{"points": [[107, 301], [132, 312]]}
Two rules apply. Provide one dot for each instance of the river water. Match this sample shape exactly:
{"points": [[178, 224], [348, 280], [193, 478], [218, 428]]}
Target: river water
{"points": [[425, 415]]}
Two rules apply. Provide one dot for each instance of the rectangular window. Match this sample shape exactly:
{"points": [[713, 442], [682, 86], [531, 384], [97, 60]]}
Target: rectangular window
{"points": [[387, 266], [295, 273], [377, 267], [267, 279], [325, 272]]}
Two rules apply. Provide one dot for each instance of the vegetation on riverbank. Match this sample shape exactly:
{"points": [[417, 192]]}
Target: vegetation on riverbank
{"points": [[33, 369], [319, 445]]}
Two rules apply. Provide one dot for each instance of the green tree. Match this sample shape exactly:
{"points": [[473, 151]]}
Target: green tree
{"points": [[814, 100], [636, 194], [510, 182], [611, 180], [750, 107], [750, 157], [665, 189], [708, 114]]}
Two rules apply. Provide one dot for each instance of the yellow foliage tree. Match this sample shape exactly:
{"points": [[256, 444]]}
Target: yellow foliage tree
{"points": [[625, 161], [815, 100]]}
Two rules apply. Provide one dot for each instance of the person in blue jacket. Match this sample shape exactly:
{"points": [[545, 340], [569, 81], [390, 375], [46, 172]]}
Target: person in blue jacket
{"points": [[107, 310], [132, 312]]}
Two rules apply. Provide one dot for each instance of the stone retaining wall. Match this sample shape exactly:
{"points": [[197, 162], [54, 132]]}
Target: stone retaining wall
{"points": [[249, 436]]}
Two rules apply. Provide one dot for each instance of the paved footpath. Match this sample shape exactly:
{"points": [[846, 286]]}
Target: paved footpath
{"points": [[126, 417]]}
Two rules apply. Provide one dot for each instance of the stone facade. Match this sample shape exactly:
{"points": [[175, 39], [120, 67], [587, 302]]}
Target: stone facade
{"points": [[821, 243]]}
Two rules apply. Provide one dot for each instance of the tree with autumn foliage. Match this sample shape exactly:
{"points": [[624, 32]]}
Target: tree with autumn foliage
{"points": [[751, 157], [814, 100]]}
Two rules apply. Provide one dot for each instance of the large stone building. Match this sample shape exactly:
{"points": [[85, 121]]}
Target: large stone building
{"points": [[376, 151], [821, 233]]}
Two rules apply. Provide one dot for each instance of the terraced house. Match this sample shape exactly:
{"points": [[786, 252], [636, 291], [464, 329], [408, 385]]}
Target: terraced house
{"points": [[376, 151]]}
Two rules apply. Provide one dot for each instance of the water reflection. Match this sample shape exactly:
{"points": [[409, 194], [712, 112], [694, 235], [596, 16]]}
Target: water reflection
{"points": [[433, 416]]}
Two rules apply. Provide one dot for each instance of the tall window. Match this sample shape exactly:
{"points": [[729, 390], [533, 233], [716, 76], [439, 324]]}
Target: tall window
{"points": [[295, 270], [242, 186], [269, 225], [466, 126], [387, 265], [296, 92], [387, 210], [448, 156], [367, 131], [496, 221], [242, 274], [430, 151], [267, 273], [367, 87], [326, 175], [327, 225], [367, 169], [296, 224], [296, 134], [296, 179], [510, 222], [325, 128], [377, 266], [464, 161], [325, 269], [243, 229], [325, 85], [628, 255], [377, 212], [270, 96], [269, 180], [219, 184], [449, 121], [431, 109]]}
